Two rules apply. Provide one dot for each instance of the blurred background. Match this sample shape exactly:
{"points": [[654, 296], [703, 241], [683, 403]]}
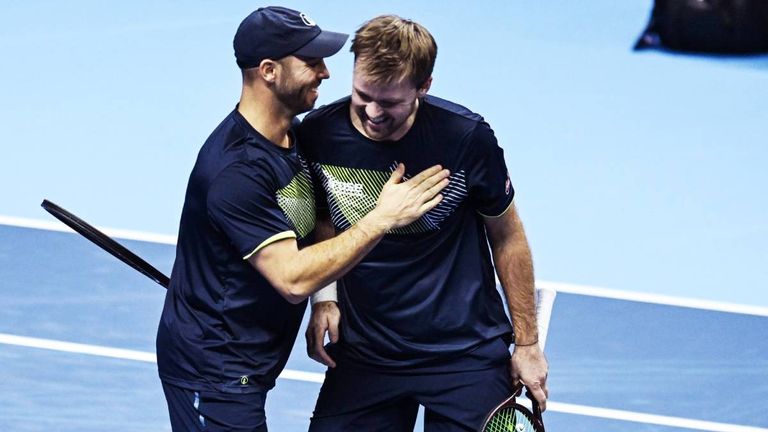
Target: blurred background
{"points": [[634, 171]]}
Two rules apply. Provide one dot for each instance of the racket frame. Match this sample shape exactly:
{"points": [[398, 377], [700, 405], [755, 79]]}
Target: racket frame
{"points": [[107, 243], [511, 402]]}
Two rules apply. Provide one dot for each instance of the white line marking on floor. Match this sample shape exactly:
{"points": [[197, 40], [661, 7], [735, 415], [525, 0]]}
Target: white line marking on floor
{"points": [[314, 377], [654, 298], [55, 225]]}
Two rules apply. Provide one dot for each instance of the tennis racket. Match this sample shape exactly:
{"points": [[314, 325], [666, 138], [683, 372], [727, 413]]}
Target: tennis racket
{"points": [[105, 242], [510, 416]]}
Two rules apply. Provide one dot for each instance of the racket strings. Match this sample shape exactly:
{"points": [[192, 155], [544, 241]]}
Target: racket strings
{"points": [[510, 420]]}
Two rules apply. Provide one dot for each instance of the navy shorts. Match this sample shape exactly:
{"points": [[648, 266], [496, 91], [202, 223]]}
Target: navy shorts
{"points": [[364, 400], [192, 410]]}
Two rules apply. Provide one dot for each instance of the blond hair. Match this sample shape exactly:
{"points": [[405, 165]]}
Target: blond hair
{"points": [[389, 49]]}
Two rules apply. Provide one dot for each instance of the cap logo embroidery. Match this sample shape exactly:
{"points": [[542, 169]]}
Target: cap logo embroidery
{"points": [[307, 20]]}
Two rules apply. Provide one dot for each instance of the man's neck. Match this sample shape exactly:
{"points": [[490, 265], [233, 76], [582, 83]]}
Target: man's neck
{"points": [[270, 122]]}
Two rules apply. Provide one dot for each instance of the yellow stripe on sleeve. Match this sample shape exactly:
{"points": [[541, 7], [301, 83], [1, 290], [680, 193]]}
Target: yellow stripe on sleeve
{"points": [[279, 236], [511, 203]]}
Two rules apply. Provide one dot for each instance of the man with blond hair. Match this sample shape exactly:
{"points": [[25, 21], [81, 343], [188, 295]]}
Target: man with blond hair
{"points": [[421, 320]]}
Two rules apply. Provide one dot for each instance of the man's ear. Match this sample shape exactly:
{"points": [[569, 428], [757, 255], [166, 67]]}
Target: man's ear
{"points": [[425, 87], [268, 69]]}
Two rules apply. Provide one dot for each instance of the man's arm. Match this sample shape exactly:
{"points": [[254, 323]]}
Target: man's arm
{"points": [[296, 273], [514, 266], [325, 316]]}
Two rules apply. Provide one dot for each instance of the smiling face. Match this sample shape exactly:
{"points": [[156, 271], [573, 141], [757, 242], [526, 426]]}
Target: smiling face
{"points": [[384, 111], [297, 86]]}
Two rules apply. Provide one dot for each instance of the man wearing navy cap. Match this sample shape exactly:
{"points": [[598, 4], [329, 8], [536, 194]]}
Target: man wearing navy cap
{"points": [[243, 266]]}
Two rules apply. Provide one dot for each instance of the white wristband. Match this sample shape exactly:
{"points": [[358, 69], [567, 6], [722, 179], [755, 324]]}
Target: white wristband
{"points": [[326, 294]]}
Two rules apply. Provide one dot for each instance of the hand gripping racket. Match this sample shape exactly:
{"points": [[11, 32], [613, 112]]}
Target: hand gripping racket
{"points": [[510, 416], [105, 242]]}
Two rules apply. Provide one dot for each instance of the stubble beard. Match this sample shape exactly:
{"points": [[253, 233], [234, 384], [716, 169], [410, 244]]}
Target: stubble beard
{"points": [[295, 98]]}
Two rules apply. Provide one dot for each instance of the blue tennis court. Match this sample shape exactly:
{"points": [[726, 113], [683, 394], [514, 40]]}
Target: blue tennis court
{"points": [[640, 178], [617, 365]]}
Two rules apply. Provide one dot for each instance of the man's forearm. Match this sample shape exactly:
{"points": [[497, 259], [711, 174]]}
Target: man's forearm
{"points": [[514, 267], [324, 230], [298, 274], [328, 260], [515, 270]]}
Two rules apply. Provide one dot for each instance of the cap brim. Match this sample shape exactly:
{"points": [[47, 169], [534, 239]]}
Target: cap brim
{"points": [[325, 44]]}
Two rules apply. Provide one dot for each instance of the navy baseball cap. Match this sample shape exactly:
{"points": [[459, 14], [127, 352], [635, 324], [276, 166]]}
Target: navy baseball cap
{"points": [[275, 32]]}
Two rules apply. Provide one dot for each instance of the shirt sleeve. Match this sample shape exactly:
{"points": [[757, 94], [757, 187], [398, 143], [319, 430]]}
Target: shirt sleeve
{"points": [[242, 203], [490, 187]]}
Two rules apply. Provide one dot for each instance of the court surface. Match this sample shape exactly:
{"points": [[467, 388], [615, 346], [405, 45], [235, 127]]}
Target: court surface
{"points": [[640, 178], [651, 363]]}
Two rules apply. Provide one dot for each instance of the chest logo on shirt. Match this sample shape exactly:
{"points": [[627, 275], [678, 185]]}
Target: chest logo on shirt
{"points": [[340, 187], [353, 193]]}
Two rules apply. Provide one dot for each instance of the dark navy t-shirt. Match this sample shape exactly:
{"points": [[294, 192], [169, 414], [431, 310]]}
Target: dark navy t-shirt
{"points": [[427, 291], [224, 327]]}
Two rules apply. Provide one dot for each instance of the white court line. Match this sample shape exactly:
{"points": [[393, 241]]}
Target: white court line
{"points": [[654, 298], [650, 418], [55, 225], [557, 286], [582, 410], [124, 354]]}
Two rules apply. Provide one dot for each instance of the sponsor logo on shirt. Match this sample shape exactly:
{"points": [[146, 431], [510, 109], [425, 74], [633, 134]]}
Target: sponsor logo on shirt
{"points": [[345, 188]]}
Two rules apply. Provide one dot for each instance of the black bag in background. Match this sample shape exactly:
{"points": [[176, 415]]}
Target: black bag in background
{"points": [[708, 26]]}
